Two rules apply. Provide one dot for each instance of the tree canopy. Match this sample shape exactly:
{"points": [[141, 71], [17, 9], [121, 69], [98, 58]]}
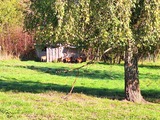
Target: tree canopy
{"points": [[98, 24]]}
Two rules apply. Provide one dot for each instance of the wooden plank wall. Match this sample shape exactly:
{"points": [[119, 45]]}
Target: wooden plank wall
{"points": [[53, 54]]}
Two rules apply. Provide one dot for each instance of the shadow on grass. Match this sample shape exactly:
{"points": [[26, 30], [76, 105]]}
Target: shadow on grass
{"points": [[149, 76], [156, 67], [87, 73], [37, 87], [82, 73]]}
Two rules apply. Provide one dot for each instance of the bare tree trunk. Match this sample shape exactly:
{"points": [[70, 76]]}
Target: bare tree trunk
{"points": [[132, 89]]}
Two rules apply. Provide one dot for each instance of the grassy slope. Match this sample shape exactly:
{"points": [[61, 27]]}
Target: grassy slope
{"points": [[34, 90]]}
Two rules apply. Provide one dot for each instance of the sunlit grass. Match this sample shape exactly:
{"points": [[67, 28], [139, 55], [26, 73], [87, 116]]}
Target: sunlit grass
{"points": [[36, 90]]}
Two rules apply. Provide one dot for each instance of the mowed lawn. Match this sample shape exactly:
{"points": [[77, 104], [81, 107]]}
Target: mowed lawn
{"points": [[32, 90]]}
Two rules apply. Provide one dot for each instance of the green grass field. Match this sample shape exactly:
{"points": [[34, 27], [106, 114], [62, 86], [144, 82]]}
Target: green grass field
{"points": [[37, 91]]}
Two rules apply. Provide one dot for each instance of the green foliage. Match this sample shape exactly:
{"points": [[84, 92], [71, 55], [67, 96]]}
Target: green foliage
{"points": [[145, 24], [10, 14], [97, 24], [42, 18], [110, 23]]}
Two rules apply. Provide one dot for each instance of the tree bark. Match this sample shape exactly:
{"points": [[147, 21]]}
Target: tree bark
{"points": [[132, 89]]}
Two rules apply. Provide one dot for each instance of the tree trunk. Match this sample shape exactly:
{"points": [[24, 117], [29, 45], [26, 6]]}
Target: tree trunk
{"points": [[132, 89]]}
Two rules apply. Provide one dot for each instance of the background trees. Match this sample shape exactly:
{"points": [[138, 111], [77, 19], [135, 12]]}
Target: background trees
{"points": [[144, 24], [96, 24], [13, 40], [87, 24]]}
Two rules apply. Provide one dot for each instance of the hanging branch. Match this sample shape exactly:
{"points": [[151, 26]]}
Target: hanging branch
{"points": [[78, 68], [65, 97]]}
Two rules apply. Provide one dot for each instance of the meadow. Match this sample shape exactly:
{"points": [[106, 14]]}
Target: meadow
{"points": [[32, 90]]}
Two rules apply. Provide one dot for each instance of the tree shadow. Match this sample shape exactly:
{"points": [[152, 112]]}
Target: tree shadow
{"points": [[151, 95], [87, 73], [37, 87], [156, 67], [149, 76], [81, 73]]}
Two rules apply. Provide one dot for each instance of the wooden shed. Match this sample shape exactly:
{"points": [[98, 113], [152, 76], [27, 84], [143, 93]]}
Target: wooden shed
{"points": [[62, 53]]}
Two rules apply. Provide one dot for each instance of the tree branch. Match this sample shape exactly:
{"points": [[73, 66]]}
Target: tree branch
{"points": [[106, 51]]}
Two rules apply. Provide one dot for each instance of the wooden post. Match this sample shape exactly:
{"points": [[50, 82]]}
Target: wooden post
{"points": [[54, 54], [47, 53], [50, 54]]}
